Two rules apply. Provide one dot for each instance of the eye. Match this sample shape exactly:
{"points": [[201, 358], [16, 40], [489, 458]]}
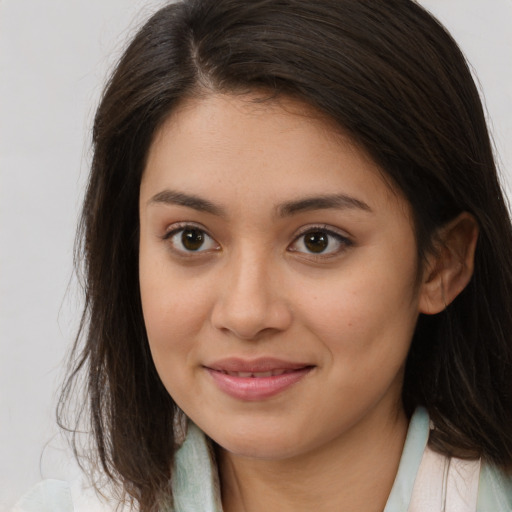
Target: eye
{"points": [[191, 239], [320, 241]]}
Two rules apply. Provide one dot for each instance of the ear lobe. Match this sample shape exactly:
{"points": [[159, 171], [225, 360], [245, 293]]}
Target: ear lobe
{"points": [[449, 269]]}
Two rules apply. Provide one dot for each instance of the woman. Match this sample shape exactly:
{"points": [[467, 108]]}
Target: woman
{"points": [[297, 266]]}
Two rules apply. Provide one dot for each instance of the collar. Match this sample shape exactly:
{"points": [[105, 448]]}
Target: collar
{"points": [[196, 488]]}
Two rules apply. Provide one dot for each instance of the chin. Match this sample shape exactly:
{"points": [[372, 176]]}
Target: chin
{"points": [[264, 449], [274, 443]]}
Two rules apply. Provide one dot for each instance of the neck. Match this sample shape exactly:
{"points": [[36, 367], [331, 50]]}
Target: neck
{"points": [[354, 472]]}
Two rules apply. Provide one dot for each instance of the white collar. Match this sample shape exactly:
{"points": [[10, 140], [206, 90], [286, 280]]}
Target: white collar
{"points": [[195, 481]]}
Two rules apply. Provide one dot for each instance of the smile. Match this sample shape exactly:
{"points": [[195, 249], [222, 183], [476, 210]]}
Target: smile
{"points": [[257, 375], [256, 380]]}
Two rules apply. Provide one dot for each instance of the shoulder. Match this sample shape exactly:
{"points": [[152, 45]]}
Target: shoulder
{"points": [[494, 490], [447, 483], [62, 496]]}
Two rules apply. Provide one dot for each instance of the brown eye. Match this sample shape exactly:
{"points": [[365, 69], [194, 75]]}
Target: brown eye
{"points": [[316, 241], [322, 242], [192, 239]]}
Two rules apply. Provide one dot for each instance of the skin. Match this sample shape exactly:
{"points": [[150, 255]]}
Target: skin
{"points": [[332, 441]]}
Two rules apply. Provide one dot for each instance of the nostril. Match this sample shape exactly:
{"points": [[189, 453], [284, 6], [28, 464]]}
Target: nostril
{"points": [[248, 322]]}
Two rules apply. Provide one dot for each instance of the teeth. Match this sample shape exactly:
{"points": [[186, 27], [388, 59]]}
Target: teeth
{"points": [[271, 373]]}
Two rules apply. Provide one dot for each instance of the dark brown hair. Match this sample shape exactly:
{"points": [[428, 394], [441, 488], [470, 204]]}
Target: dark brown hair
{"points": [[392, 77]]}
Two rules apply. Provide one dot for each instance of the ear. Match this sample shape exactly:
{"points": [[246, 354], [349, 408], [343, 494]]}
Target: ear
{"points": [[449, 268]]}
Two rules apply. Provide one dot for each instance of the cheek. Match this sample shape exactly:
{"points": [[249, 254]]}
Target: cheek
{"points": [[173, 315], [174, 306], [172, 318], [365, 314], [366, 333]]}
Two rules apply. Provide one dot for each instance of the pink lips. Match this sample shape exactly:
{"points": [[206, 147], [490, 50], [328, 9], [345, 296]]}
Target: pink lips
{"points": [[258, 379]]}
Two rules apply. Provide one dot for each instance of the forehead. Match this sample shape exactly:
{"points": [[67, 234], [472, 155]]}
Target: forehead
{"points": [[257, 113], [243, 144]]}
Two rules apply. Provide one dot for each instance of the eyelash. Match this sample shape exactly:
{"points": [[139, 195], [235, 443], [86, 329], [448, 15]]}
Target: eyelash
{"points": [[342, 241], [181, 228]]}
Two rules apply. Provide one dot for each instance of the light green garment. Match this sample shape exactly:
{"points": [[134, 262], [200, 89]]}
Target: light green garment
{"points": [[196, 489]]}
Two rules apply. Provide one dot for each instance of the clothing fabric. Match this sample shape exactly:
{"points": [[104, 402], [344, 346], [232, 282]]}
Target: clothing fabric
{"points": [[425, 482]]}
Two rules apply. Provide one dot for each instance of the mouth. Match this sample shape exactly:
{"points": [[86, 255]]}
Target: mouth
{"points": [[257, 375], [256, 367], [258, 379]]}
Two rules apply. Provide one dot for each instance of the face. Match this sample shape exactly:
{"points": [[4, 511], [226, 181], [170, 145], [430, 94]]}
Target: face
{"points": [[277, 276]]}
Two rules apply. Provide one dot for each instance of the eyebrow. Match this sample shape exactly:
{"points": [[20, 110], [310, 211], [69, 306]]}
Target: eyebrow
{"points": [[324, 202], [172, 197], [289, 208]]}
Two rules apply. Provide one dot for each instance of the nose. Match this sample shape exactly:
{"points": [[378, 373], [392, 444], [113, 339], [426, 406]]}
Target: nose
{"points": [[251, 303]]}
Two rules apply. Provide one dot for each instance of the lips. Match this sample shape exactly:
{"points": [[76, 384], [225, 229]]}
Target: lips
{"points": [[261, 365], [257, 379], [257, 375]]}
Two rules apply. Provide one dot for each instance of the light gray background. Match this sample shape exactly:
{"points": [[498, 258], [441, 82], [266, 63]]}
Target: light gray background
{"points": [[54, 57]]}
